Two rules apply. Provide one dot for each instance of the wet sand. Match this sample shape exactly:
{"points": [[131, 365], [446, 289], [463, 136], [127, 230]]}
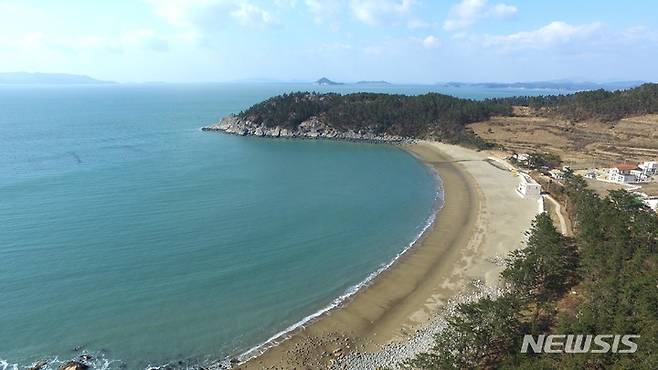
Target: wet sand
{"points": [[482, 219]]}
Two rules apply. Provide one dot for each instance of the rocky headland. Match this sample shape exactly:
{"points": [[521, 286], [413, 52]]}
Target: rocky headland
{"points": [[312, 128]]}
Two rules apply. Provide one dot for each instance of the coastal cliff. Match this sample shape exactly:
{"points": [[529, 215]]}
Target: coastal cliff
{"points": [[312, 128]]}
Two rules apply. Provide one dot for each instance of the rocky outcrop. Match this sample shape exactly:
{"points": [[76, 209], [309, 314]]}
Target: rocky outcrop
{"points": [[39, 365], [312, 128], [73, 365]]}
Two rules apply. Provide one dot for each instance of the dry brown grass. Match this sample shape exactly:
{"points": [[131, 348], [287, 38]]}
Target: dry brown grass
{"points": [[650, 189], [602, 188], [581, 145], [568, 305]]}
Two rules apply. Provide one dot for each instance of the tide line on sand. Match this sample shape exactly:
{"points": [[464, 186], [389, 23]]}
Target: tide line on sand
{"points": [[481, 219], [285, 334]]}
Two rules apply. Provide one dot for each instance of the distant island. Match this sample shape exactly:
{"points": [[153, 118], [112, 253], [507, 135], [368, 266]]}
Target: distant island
{"points": [[567, 85], [327, 82], [556, 84], [26, 78]]}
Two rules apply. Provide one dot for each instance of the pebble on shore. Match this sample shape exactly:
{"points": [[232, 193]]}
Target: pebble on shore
{"points": [[391, 355]]}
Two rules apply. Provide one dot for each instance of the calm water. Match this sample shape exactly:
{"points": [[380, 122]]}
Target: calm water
{"points": [[128, 232]]}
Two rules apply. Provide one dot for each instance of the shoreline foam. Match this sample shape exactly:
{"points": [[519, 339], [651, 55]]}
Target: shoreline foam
{"points": [[481, 217], [390, 321], [101, 362], [285, 334]]}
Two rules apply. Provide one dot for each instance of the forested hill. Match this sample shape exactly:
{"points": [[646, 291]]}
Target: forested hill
{"points": [[429, 115], [602, 281], [437, 116], [602, 105]]}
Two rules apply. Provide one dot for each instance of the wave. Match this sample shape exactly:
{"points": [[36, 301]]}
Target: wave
{"points": [[4, 365], [97, 361], [285, 334]]}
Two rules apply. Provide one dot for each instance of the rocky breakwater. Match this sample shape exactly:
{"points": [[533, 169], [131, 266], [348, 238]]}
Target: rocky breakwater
{"points": [[312, 128]]}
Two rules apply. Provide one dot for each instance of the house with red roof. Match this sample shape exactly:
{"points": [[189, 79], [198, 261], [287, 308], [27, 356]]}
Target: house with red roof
{"points": [[623, 173]]}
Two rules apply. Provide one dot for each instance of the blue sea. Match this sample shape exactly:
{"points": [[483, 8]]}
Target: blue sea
{"points": [[129, 234]]}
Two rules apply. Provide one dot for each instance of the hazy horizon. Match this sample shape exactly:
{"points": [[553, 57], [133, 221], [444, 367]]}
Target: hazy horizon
{"points": [[302, 81], [400, 41]]}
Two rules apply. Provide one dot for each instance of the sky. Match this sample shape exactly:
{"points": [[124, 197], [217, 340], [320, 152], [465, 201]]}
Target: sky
{"points": [[403, 41]]}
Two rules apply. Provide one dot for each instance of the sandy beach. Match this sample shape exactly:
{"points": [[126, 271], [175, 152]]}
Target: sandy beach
{"points": [[482, 220]]}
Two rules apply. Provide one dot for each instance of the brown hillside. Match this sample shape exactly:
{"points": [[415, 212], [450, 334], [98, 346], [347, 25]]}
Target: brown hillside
{"points": [[582, 144]]}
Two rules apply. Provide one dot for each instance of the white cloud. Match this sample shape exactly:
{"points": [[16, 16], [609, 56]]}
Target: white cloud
{"points": [[370, 12], [326, 11], [559, 39], [375, 12], [553, 34], [285, 3], [209, 15], [138, 39], [176, 12], [431, 41], [468, 12], [249, 14], [503, 10], [643, 35]]}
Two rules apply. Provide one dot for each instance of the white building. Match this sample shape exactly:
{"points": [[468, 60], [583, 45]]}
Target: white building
{"points": [[621, 173], [640, 175], [528, 187], [649, 168], [622, 178], [521, 157]]}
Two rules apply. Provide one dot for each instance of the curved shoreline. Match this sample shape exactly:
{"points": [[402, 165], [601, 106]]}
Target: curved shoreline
{"points": [[482, 220], [349, 293], [376, 314]]}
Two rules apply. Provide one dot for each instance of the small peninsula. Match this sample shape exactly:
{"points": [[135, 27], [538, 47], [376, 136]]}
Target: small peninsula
{"points": [[434, 116], [362, 116]]}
